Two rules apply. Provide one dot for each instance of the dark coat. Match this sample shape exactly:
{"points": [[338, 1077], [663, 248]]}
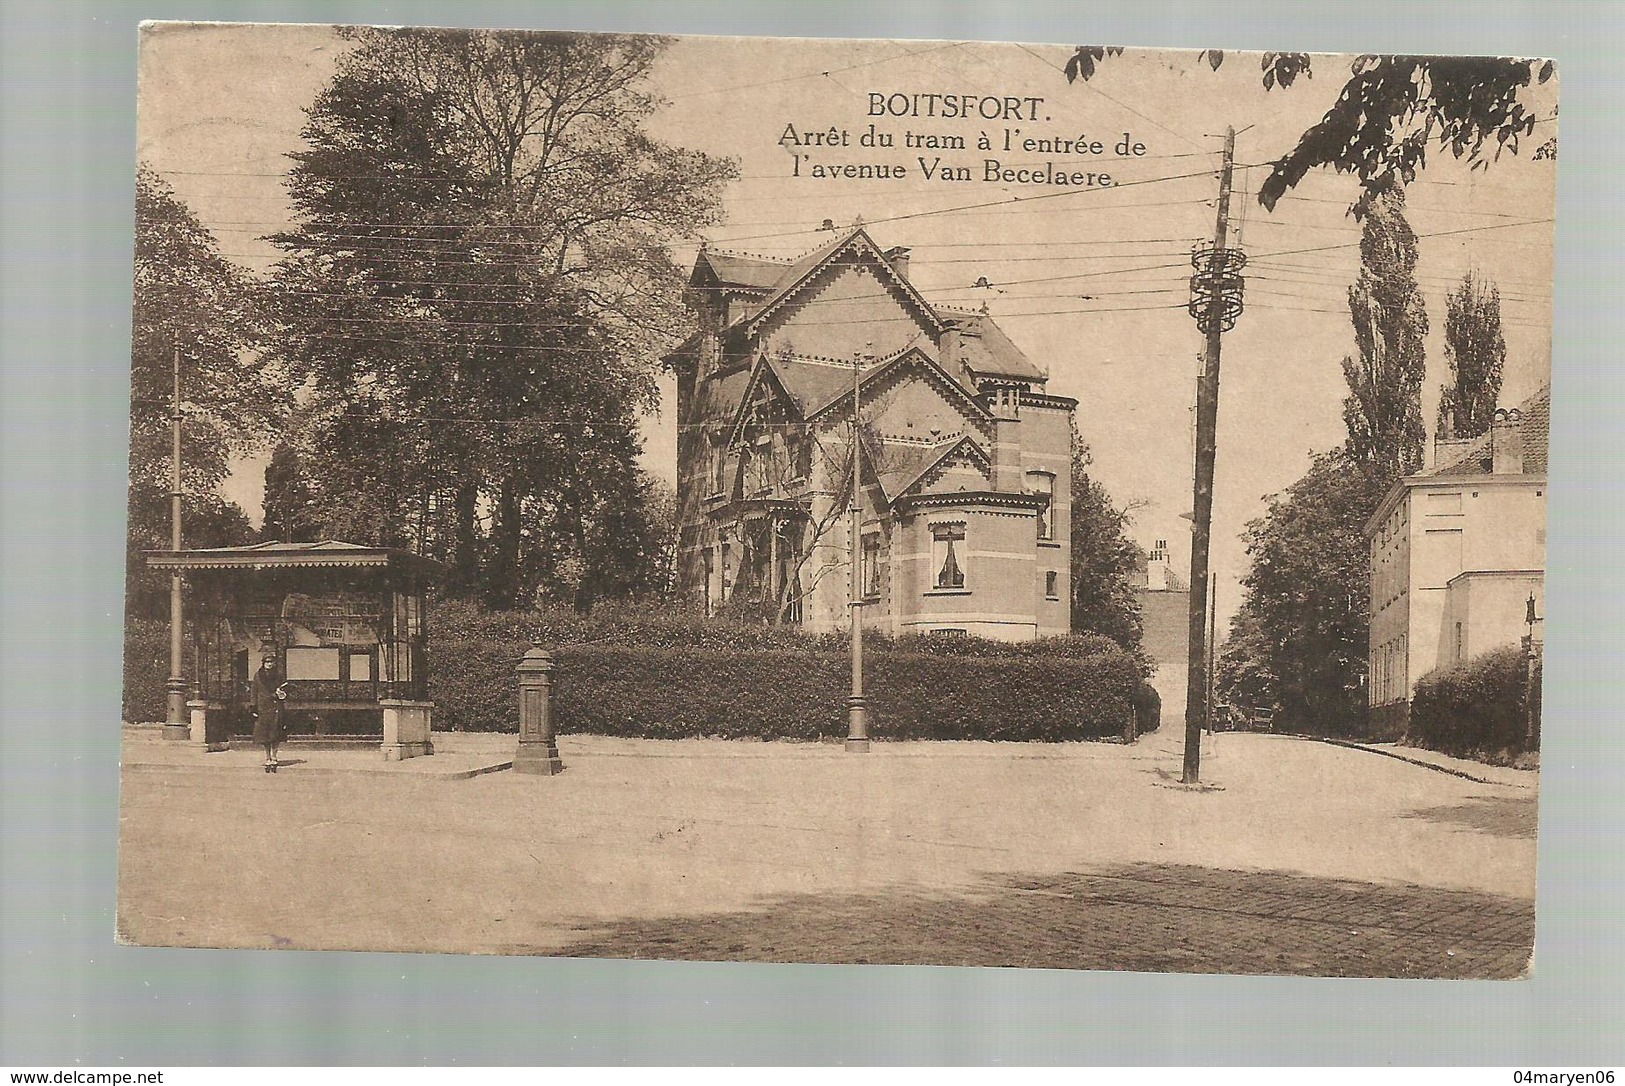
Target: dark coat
{"points": [[268, 727]]}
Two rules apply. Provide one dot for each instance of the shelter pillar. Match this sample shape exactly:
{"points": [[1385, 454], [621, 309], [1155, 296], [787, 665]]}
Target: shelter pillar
{"points": [[538, 749], [199, 711], [406, 729]]}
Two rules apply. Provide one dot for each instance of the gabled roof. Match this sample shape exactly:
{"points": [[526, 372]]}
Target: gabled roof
{"points": [[717, 398], [911, 355], [988, 352], [1477, 457], [806, 267], [907, 468], [741, 271], [761, 372], [1533, 429]]}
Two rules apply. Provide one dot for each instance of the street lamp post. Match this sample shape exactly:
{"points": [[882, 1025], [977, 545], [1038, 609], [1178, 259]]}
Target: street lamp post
{"points": [[177, 724], [857, 706], [1530, 709]]}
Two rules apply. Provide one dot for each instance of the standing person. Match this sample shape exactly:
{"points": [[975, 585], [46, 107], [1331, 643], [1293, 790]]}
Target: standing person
{"points": [[269, 694]]}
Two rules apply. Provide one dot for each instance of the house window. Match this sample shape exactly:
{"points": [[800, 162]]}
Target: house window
{"points": [[947, 556], [727, 569], [871, 567], [1052, 586], [1457, 655], [793, 613], [719, 466], [800, 455], [947, 632], [710, 571], [1042, 484]]}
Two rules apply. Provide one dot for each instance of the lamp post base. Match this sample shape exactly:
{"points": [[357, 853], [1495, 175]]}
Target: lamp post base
{"points": [[541, 759], [177, 718], [857, 724]]}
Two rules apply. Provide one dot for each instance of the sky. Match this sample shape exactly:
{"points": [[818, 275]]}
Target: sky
{"points": [[1089, 281]]}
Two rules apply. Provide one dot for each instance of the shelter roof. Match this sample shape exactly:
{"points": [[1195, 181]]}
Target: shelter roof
{"points": [[326, 554]]}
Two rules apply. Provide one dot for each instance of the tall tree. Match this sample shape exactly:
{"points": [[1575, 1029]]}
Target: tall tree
{"points": [[1476, 350], [479, 286], [288, 498], [1383, 410], [1104, 559], [1299, 641], [189, 299]]}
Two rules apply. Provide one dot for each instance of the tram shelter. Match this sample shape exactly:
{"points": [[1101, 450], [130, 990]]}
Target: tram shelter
{"points": [[344, 622]]}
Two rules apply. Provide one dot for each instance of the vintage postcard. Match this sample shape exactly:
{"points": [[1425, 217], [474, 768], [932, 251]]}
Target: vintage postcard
{"points": [[906, 502]]}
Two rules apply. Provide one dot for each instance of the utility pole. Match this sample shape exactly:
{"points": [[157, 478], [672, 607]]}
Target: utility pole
{"points": [[1212, 645], [175, 721], [1215, 304], [857, 706]]}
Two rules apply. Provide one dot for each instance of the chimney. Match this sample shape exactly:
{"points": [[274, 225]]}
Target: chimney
{"points": [[897, 257], [1506, 442], [1005, 403]]}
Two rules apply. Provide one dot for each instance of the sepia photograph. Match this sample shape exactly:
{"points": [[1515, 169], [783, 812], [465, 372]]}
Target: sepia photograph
{"points": [[837, 501]]}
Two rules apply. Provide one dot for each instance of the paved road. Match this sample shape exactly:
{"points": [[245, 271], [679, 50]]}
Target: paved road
{"points": [[1143, 917], [1298, 858]]}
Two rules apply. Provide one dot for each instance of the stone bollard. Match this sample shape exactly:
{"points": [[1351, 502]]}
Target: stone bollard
{"points": [[538, 750]]}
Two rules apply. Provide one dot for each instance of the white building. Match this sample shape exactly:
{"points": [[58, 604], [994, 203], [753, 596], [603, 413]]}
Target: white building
{"points": [[1457, 551]]}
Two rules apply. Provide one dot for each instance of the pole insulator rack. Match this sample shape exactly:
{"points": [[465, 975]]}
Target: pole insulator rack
{"points": [[1216, 288]]}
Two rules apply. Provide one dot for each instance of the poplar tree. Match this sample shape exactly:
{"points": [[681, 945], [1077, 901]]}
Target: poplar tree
{"points": [[1383, 410], [1476, 351]]}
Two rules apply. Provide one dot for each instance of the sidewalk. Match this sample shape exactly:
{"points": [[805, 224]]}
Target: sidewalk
{"points": [[1460, 767], [457, 756]]}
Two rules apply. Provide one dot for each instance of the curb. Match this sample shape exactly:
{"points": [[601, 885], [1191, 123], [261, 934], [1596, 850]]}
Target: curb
{"points": [[1436, 767], [330, 771]]}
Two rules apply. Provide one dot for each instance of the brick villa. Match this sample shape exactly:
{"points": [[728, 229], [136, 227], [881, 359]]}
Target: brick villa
{"points": [[962, 459]]}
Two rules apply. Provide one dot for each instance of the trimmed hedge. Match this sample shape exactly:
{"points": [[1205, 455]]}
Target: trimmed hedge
{"points": [[642, 673], [672, 693], [643, 626], [146, 669], [1476, 709]]}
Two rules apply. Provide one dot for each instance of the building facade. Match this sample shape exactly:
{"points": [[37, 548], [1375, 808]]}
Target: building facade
{"points": [[1457, 552], [814, 378]]}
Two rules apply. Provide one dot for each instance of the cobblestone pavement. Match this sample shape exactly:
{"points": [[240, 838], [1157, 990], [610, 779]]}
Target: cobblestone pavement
{"points": [[1151, 918]]}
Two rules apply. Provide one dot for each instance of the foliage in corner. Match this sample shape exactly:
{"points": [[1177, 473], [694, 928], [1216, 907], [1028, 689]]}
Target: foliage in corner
{"points": [[1391, 112]]}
